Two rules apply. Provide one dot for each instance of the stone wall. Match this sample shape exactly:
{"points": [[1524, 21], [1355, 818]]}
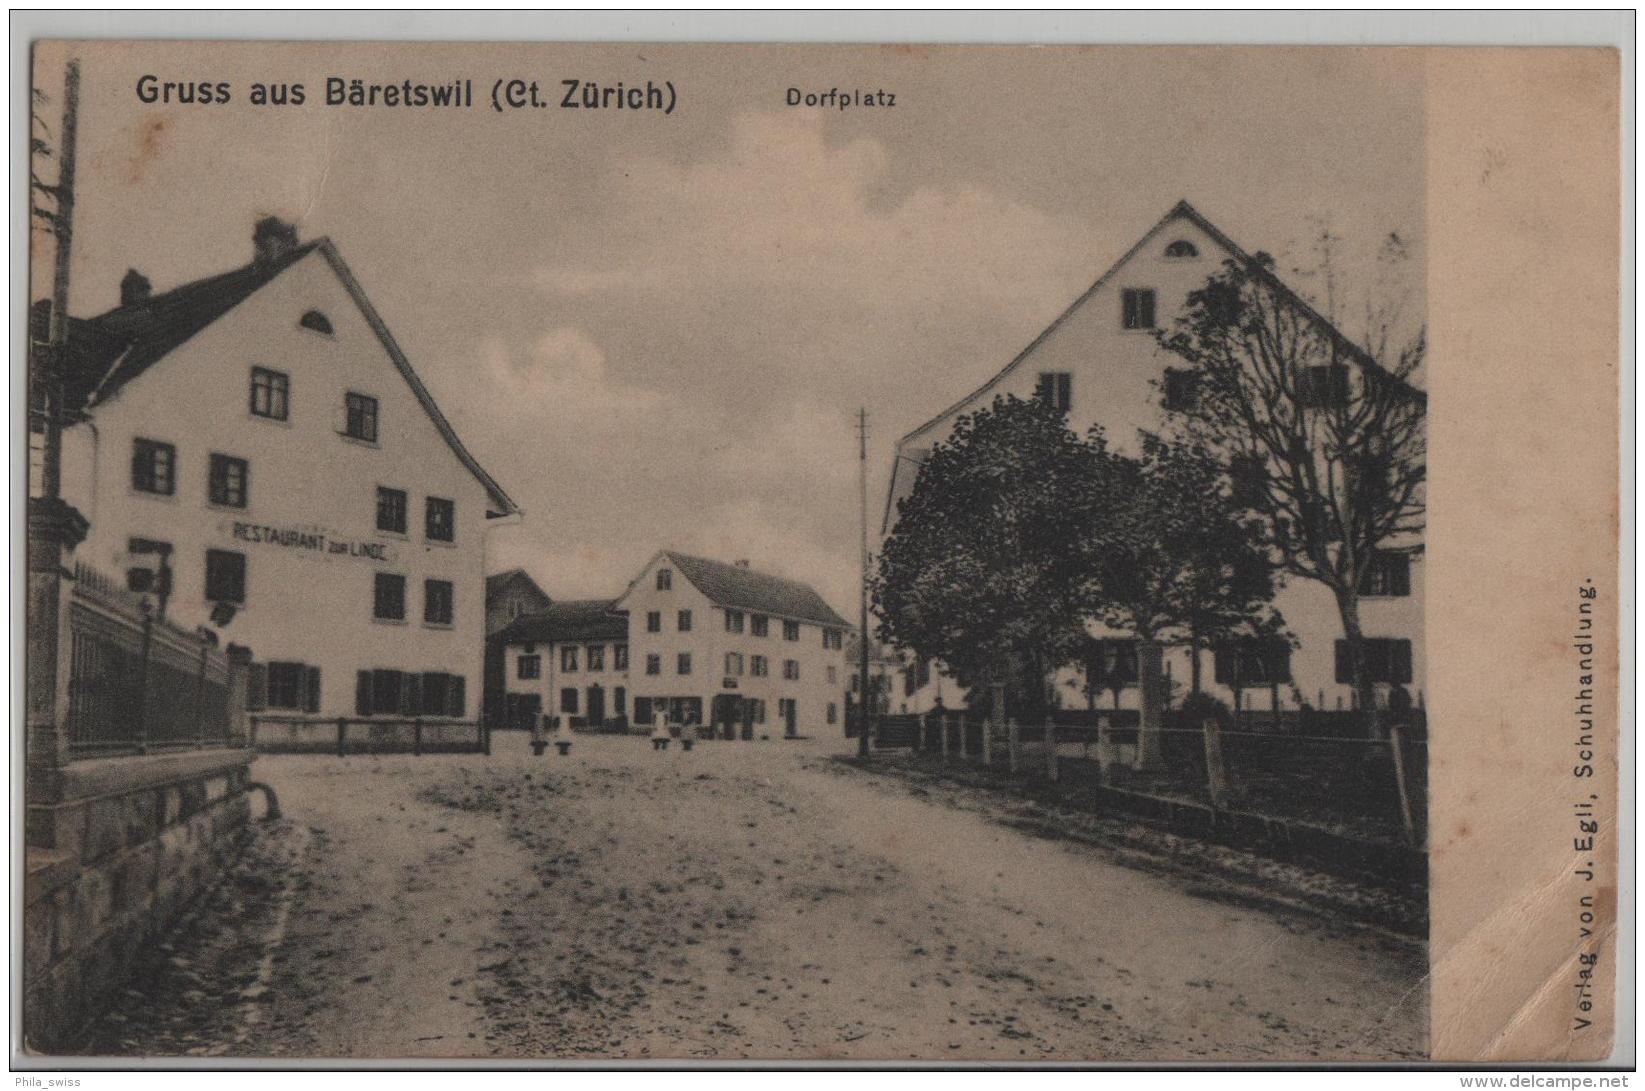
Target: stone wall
{"points": [[129, 844]]}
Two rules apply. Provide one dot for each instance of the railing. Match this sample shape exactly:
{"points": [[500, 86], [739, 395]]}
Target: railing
{"points": [[276, 734], [138, 683]]}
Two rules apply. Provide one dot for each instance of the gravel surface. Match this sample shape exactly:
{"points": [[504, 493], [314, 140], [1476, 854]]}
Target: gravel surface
{"points": [[743, 900]]}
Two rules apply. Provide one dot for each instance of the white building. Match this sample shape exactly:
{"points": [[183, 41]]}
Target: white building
{"points": [[263, 426], [569, 662], [1100, 362], [721, 644]]}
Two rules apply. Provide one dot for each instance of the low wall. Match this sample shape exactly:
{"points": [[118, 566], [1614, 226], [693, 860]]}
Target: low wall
{"points": [[315, 736], [130, 844]]}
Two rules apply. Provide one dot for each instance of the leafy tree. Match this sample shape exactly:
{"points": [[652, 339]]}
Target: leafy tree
{"points": [[1171, 558], [982, 569], [1327, 441]]}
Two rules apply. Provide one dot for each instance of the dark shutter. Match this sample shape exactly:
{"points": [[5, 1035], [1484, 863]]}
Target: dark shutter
{"points": [[1345, 663], [1065, 390], [411, 694], [257, 688], [1223, 656], [456, 699], [312, 694], [362, 693], [1400, 661]]}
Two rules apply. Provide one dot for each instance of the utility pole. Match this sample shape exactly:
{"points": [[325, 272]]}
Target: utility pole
{"points": [[862, 634], [50, 371]]}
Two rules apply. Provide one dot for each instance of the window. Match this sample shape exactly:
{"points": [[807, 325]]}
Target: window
{"points": [[1388, 575], [1137, 308], [437, 602], [619, 657], [361, 417], [1249, 474], [665, 579], [619, 701], [1253, 663], [791, 630], [833, 675], [391, 510], [1182, 248], [225, 576], [683, 622], [734, 664], [1111, 664], [733, 621], [1181, 389], [153, 467], [528, 667], [654, 621], [294, 686], [568, 659], [442, 694], [316, 321], [1056, 389], [389, 597], [759, 625], [440, 520], [682, 663], [596, 657], [833, 639], [568, 700], [653, 664], [791, 669], [227, 481], [759, 666], [270, 393], [833, 712], [1386, 660], [1323, 386]]}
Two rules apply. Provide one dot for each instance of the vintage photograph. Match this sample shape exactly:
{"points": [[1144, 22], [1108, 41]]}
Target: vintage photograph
{"points": [[727, 553]]}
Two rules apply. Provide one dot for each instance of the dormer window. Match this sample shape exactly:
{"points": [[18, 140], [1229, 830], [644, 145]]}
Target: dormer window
{"points": [[316, 321], [1182, 248]]}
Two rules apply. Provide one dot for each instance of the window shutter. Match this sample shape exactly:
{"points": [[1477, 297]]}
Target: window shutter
{"points": [[312, 702], [411, 694], [362, 693], [1345, 663], [1065, 390], [1401, 664], [455, 697], [257, 687]]}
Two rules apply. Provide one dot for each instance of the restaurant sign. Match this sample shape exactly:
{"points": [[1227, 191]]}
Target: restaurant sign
{"points": [[309, 539]]}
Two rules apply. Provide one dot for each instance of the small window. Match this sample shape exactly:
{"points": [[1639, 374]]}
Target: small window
{"points": [[733, 621], [1137, 308], [1055, 389], [1386, 660], [568, 700], [653, 664], [230, 480], [528, 667], [316, 321], [361, 422], [733, 664], [665, 579], [833, 675], [442, 694], [388, 602], [1323, 386], [619, 657], [791, 630], [1181, 389], [568, 659], [684, 621], [759, 625], [833, 712], [832, 639], [391, 510], [1388, 575], [153, 467], [437, 602], [225, 576], [654, 621], [270, 393], [759, 666], [286, 683], [440, 520], [1251, 663], [596, 657], [791, 669], [1182, 248], [682, 663]]}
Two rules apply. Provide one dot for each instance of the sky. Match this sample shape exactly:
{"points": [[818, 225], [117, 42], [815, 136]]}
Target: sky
{"points": [[656, 330]]}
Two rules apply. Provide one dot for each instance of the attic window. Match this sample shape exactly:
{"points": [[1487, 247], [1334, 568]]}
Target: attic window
{"points": [[1182, 248], [316, 321]]}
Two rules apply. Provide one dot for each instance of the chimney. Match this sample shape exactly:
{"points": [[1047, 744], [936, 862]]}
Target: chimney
{"points": [[272, 239], [134, 288]]}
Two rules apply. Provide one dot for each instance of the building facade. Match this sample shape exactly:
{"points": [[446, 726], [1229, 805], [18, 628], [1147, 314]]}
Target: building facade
{"points": [[720, 644], [509, 595], [1100, 362], [567, 664], [256, 452]]}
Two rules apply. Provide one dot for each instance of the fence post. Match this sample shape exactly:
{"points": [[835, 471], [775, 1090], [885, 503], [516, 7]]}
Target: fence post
{"points": [[485, 738], [1051, 748], [942, 726], [996, 714], [417, 737], [1216, 774], [1396, 742], [1013, 743], [342, 737], [200, 697], [241, 727], [140, 714], [54, 529]]}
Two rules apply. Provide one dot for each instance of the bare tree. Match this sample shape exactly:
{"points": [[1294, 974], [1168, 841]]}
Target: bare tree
{"points": [[1326, 438]]}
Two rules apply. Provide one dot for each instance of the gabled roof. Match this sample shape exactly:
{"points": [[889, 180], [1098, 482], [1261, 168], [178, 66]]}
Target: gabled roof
{"points": [[745, 589], [590, 619], [112, 349], [502, 581]]}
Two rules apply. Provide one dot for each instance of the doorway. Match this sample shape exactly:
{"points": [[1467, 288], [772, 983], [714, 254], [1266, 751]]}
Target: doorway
{"points": [[596, 706]]}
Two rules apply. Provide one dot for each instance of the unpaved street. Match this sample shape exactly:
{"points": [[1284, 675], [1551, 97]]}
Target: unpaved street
{"points": [[756, 900]]}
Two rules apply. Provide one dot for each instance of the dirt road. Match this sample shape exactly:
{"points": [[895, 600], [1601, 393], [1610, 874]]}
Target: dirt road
{"points": [[755, 900]]}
